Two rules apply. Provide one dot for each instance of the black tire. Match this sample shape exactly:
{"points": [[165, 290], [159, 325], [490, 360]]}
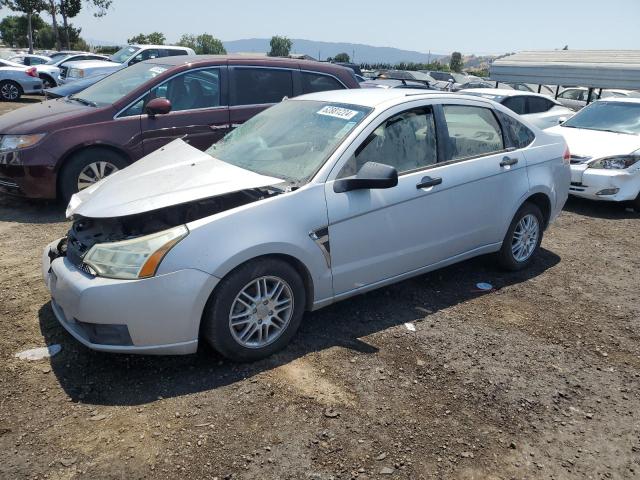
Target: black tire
{"points": [[10, 91], [216, 327], [506, 257], [70, 173], [47, 81]]}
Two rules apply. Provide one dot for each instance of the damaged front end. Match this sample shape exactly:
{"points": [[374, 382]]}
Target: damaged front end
{"points": [[120, 236]]}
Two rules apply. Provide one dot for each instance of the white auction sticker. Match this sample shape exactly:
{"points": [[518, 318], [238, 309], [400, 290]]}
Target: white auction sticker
{"points": [[338, 112]]}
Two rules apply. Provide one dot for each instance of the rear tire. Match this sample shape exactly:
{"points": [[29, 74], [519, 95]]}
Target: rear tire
{"points": [[10, 91], [87, 167], [523, 239], [239, 328]]}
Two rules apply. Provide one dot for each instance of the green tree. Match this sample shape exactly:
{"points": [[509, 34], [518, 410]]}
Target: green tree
{"points": [[29, 8], [68, 9], [154, 38], [204, 44], [456, 64], [280, 46], [342, 57]]}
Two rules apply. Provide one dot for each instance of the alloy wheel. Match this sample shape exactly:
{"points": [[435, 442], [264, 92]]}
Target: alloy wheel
{"points": [[261, 312], [95, 172], [525, 238], [10, 91]]}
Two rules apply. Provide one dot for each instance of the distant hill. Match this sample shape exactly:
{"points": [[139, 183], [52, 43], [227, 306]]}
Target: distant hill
{"points": [[363, 53]]}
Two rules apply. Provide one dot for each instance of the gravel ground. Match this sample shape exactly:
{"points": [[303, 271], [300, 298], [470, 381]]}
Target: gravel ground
{"points": [[536, 379]]}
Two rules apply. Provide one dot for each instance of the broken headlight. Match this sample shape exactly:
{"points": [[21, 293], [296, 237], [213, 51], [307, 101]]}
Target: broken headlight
{"points": [[619, 162], [135, 258]]}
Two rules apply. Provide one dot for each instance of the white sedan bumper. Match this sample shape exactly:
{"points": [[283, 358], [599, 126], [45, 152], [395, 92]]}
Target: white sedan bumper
{"points": [[601, 184], [159, 315]]}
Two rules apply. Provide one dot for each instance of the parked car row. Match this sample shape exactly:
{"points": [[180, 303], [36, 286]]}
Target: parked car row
{"points": [[219, 198]]}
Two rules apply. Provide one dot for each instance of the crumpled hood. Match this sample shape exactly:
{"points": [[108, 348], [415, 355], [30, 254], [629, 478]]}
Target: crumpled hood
{"points": [[595, 144], [177, 173]]}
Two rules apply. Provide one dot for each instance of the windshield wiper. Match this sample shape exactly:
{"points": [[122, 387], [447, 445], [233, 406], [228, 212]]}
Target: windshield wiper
{"points": [[83, 101]]}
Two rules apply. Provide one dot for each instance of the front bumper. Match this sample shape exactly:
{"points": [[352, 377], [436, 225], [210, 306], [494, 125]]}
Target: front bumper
{"points": [[33, 175], [601, 184], [159, 315]]}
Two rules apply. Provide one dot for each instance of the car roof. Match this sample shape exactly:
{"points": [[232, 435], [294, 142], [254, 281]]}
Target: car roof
{"points": [[378, 97], [503, 92], [166, 47], [619, 100], [245, 59]]}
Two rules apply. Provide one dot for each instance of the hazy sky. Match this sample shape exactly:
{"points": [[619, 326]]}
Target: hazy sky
{"points": [[470, 26]]}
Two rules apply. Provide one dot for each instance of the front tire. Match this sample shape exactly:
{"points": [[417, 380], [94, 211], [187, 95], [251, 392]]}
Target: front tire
{"points": [[47, 81], [86, 168], [523, 239], [10, 91], [255, 310], [636, 203]]}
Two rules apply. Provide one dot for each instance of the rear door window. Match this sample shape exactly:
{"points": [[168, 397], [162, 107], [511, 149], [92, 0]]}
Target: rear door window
{"points": [[316, 82], [520, 135], [473, 132], [175, 53], [259, 86]]}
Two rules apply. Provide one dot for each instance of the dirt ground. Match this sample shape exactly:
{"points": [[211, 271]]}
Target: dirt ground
{"points": [[536, 379]]}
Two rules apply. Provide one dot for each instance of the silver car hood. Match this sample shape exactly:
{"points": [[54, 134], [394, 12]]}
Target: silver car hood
{"points": [[176, 173]]}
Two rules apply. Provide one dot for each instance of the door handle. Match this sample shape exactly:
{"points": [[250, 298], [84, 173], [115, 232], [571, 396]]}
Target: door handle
{"points": [[427, 182], [506, 161]]}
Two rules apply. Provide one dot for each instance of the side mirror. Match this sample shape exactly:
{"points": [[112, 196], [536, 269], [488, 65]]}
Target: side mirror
{"points": [[371, 175], [158, 106]]}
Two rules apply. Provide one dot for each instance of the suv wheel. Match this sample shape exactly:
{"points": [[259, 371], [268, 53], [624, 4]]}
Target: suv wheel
{"points": [[523, 238], [88, 167], [47, 81], [255, 310], [10, 91]]}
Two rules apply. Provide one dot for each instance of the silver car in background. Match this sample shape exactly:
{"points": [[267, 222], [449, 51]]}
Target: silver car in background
{"points": [[17, 80], [312, 201], [542, 111]]}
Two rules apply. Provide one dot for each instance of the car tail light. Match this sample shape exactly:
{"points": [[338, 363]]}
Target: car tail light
{"points": [[567, 156], [32, 72]]}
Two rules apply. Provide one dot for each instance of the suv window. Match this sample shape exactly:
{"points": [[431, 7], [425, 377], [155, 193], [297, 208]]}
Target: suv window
{"points": [[473, 131], [145, 55], [316, 82], [538, 104], [175, 53], [521, 136], [257, 86], [515, 104], [406, 141], [191, 90]]}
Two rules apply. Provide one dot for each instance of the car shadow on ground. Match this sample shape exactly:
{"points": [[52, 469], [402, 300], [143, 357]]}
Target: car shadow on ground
{"points": [[604, 210], [24, 210], [108, 379]]}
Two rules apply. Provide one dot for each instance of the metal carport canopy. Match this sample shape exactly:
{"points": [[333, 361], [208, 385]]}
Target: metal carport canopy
{"points": [[585, 68]]}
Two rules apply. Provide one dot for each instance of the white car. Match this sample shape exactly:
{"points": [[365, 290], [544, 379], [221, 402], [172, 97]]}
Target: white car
{"points": [[29, 60], [575, 98], [604, 140], [538, 109], [17, 80], [312, 201], [50, 71], [126, 56]]}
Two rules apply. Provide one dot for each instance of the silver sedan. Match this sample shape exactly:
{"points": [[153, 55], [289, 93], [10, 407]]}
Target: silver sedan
{"points": [[313, 201], [17, 80]]}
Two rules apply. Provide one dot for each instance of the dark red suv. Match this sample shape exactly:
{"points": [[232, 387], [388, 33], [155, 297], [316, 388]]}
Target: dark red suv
{"points": [[55, 148]]}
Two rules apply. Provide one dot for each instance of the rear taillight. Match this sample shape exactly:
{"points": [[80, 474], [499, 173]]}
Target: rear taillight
{"points": [[567, 156], [32, 72]]}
